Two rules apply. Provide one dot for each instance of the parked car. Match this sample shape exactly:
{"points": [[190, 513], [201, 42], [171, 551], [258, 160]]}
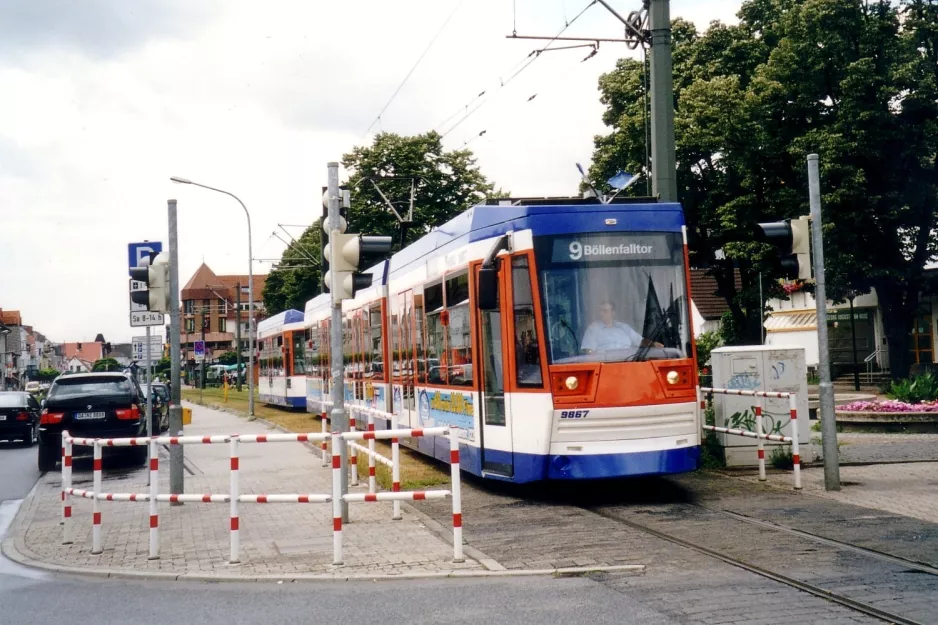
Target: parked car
{"points": [[160, 397], [19, 417], [97, 405], [33, 387]]}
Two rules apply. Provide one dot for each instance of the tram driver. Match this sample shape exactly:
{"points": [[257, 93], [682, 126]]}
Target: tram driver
{"points": [[607, 334]]}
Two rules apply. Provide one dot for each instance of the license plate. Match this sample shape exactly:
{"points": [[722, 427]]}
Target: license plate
{"points": [[88, 416]]}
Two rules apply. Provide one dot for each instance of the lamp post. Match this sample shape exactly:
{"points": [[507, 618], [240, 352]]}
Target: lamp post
{"points": [[178, 180]]}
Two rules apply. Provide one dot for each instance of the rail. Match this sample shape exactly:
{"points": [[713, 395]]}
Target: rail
{"points": [[868, 361], [235, 497], [759, 435]]}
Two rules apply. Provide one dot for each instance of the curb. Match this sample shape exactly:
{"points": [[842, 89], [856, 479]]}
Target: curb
{"points": [[12, 551]]}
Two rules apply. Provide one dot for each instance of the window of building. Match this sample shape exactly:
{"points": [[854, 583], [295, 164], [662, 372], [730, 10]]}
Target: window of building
{"points": [[458, 333], [187, 306], [190, 326], [436, 342], [222, 324], [527, 348]]}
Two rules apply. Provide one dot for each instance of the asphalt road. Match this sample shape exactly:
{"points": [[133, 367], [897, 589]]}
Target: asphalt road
{"points": [[32, 597]]}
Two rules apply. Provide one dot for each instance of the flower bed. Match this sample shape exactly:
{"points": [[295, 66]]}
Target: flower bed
{"points": [[891, 405]]}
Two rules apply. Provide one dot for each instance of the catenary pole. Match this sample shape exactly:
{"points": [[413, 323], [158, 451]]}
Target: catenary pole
{"points": [[826, 388], [176, 476]]}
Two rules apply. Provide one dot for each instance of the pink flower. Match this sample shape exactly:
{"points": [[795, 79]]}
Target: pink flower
{"points": [[890, 405]]}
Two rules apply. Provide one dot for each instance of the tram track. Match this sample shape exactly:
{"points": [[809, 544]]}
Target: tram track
{"points": [[625, 516]]}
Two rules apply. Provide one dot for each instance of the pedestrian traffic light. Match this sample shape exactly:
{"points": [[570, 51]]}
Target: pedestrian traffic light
{"points": [[353, 253], [324, 236], [154, 273], [792, 241]]}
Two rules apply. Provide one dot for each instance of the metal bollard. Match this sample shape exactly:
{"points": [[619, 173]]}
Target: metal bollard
{"points": [[456, 494], [154, 494], [795, 452], [372, 477], [760, 444], [395, 470], [235, 556], [353, 455], [66, 485], [336, 501], [96, 504]]}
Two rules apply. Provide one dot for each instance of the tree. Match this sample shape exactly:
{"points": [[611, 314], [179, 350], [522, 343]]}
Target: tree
{"points": [[445, 184], [228, 358], [47, 375], [295, 280], [163, 366], [854, 82], [106, 364]]}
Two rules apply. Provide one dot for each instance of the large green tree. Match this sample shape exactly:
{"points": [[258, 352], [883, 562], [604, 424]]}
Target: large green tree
{"points": [[852, 81], [445, 184], [295, 280], [106, 364]]}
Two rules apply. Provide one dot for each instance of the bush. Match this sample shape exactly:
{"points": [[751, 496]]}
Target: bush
{"points": [[915, 390], [706, 343], [782, 458]]}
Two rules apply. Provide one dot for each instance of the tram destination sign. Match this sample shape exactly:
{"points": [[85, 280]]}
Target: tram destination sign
{"points": [[604, 247]]}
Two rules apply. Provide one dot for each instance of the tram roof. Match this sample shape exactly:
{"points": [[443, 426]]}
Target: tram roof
{"points": [[280, 319], [543, 216]]}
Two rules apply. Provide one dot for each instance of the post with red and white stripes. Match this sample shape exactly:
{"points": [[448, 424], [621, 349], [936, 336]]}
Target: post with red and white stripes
{"points": [[95, 503], [66, 484], [456, 494], [760, 444], [395, 469], [235, 557], [795, 452], [154, 496], [372, 477], [336, 501], [325, 446], [353, 455]]}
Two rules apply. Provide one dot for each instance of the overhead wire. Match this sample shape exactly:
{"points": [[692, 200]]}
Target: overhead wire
{"points": [[439, 32], [524, 64]]}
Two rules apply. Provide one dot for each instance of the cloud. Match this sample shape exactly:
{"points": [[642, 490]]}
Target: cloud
{"points": [[98, 28]]}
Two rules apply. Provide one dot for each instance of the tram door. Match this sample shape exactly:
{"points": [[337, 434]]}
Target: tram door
{"points": [[495, 438]]}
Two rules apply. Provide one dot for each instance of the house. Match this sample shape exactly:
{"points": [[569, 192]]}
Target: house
{"points": [[91, 351], [707, 307], [78, 365], [794, 322], [212, 301]]}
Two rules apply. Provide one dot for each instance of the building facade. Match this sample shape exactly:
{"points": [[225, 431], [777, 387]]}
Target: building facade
{"points": [[211, 302]]}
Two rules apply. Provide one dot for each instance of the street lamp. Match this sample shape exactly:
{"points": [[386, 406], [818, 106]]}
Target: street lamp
{"points": [[179, 180]]}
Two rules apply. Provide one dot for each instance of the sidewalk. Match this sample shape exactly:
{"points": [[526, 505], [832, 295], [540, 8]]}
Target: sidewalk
{"points": [[277, 540]]}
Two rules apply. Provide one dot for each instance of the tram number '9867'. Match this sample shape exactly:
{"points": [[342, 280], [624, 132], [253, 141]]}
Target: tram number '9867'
{"points": [[574, 414]]}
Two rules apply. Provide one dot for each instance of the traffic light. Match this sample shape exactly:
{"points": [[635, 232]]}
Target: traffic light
{"points": [[792, 241], [354, 252], [324, 234], [155, 274]]}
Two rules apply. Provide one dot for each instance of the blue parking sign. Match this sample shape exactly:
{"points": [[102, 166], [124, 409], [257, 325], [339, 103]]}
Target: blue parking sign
{"points": [[136, 252], [199, 349]]}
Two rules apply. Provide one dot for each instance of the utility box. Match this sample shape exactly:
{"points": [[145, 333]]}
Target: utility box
{"points": [[187, 416], [775, 369]]}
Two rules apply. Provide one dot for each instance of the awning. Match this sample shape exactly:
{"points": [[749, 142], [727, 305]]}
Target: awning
{"points": [[800, 321]]}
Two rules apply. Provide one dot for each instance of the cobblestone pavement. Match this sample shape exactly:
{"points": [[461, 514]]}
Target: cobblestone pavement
{"points": [[872, 448], [276, 539], [909, 490]]}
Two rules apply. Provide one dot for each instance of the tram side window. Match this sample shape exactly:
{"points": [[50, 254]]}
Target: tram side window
{"points": [[395, 341], [419, 339], [377, 343], [436, 346], [346, 348], [262, 360], [458, 334], [299, 354], [527, 348], [324, 356]]}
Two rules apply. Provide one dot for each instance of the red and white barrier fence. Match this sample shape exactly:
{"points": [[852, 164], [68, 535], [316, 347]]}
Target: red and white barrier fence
{"points": [[235, 497], [759, 435]]}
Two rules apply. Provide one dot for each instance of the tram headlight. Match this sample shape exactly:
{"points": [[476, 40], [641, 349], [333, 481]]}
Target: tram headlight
{"points": [[673, 377], [571, 382]]}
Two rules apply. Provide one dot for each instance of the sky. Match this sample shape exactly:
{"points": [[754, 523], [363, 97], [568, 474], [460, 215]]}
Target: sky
{"points": [[104, 100]]}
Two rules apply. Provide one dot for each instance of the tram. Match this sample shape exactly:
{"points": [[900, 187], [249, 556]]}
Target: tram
{"points": [[553, 334], [282, 360]]}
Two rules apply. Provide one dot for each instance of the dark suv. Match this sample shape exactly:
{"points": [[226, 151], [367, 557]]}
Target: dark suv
{"points": [[96, 405], [19, 417]]}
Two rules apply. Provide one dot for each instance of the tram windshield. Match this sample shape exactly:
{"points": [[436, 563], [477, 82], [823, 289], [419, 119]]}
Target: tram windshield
{"points": [[613, 297]]}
